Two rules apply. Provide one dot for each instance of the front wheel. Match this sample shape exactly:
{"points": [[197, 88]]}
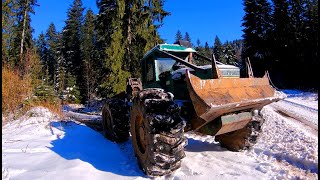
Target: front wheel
{"points": [[157, 132], [244, 138]]}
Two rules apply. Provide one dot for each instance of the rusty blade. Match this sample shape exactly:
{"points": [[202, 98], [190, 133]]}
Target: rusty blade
{"points": [[214, 97]]}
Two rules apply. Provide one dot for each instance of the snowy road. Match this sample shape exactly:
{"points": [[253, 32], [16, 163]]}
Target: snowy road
{"points": [[297, 112], [40, 146]]}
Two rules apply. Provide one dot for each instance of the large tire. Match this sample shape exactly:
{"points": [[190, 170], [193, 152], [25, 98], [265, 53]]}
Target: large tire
{"points": [[115, 120], [244, 138], [157, 132]]}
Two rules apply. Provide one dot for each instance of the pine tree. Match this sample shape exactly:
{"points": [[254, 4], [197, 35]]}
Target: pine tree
{"points": [[72, 92], [257, 34], [178, 35], [60, 82], [311, 14], [198, 43], [42, 48], [304, 42], [281, 22], [110, 21], [71, 36], [218, 50], [311, 50], [139, 39], [51, 38], [9, 8], [207, 50], [187, 37], [23, 31], [229, 54], [237, 45], [91, 64], [128, 29]]}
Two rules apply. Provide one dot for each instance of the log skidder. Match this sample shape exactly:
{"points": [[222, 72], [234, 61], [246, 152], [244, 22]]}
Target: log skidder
{"points": [[157, 132], [222, 102]]}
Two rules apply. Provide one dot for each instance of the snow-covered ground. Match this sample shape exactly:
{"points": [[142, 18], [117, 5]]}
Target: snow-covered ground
{"points": [[40, 145], [305, 98]]}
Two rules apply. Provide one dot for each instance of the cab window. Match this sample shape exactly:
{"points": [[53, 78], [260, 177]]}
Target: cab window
{"points": [[163, 65]]}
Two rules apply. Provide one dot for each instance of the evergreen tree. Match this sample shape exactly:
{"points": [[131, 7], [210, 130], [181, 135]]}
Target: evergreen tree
{"points": [[187, 37], [284, 42], [178, 35], [281, 22], [52, 40], [311, 42], [257, 34], [60, 81], [304, 40], [218, 50], [198, 43], [91, 61], [229, 54], [128, 29], [207, 51], [282, 34], [9, 8], [71, 36], [110, 21], [237, 45], [71, 93], [23, 31], [311, 14], [139, 39], [42, 48]]}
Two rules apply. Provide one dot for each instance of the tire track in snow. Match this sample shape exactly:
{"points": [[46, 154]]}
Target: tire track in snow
{"points": [[301, 105], [303, 121], [297, 112], [288, 145]]}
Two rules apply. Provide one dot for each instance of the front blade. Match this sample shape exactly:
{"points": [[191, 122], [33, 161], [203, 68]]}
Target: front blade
{"points": [[214, 97]]}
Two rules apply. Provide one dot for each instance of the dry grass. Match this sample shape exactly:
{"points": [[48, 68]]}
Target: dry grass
{"points": [[18, 85], [54, 107], [14, 89]]}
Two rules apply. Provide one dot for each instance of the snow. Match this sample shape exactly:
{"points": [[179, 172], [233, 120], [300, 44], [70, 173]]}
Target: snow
{"points": [[281, 142], [42, 145], [306, 98]]}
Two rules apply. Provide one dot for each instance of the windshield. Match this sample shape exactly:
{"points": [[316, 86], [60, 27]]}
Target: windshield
{"points": [[162, 65]]}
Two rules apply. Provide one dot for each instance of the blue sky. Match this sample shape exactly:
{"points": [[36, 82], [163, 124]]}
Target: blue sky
{"points": [[201, 19]]}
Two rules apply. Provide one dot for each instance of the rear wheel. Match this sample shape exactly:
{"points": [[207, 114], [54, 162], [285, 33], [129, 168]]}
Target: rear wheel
{"points": [[244, 138], [115, 120], [157, 132]]}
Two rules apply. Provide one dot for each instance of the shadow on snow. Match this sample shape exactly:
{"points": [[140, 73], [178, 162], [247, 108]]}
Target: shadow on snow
{"points": [[81, 142], [199, 146]]}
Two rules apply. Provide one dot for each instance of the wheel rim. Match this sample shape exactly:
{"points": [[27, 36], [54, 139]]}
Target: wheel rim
{"points": [[140, 134]]}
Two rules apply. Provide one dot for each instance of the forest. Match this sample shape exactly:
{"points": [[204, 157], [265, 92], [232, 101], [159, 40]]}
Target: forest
{"points": [[94, 54]]}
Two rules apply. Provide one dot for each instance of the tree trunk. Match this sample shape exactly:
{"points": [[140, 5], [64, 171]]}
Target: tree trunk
{"points": [[23, 31]]}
